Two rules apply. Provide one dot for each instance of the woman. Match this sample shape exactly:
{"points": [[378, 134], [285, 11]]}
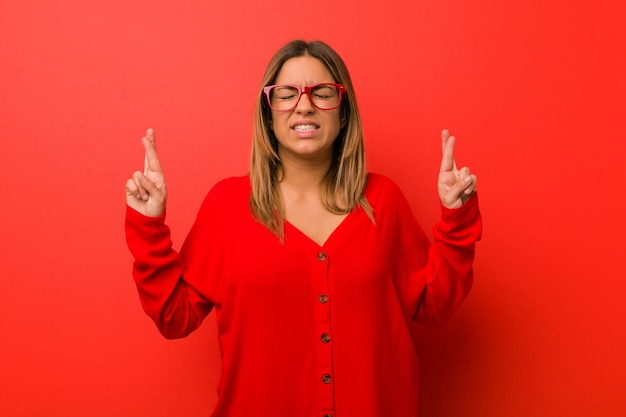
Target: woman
{"points": [[316, 270]]}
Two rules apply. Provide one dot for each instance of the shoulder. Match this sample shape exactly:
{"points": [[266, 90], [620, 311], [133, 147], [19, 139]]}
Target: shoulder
{"points": [[231, 187], [386, 199], [381, 187], [228, 194]]}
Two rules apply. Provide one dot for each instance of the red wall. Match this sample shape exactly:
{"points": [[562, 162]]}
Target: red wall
{"points": [[533, 90]]}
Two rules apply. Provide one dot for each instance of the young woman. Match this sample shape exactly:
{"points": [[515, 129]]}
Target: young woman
{"points": [[317, 270]]}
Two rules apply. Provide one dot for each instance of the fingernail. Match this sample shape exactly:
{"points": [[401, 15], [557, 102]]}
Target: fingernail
{"points": [[467, 179]]}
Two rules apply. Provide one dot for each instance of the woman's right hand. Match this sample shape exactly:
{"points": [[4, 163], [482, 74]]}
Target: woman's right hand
{"points": [[146, 191]]}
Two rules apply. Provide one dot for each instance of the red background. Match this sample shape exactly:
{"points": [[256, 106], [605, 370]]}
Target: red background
{"points": [[533, 90]]}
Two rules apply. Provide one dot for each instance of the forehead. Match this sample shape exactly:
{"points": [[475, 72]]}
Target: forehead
{"points": [[304, 70]]}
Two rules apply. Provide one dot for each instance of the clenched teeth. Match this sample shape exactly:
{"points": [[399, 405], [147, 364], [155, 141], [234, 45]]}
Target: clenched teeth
{"points": [[304, 127]]}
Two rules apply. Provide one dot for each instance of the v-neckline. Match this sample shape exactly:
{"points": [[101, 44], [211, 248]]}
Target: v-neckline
{"points": [[331, 237]]}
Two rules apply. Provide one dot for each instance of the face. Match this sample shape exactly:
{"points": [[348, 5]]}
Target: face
{"points": [[305, 132]]}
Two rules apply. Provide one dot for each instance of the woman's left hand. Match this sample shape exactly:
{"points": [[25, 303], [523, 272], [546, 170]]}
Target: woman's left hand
{"points": [[455, 186]]}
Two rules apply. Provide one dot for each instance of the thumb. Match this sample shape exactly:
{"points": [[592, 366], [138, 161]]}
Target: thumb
{"points": [[153, 189]]}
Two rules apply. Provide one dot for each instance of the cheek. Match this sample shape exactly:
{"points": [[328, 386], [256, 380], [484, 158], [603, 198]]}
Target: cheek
{"points": [[279, 122], [337, 122]]}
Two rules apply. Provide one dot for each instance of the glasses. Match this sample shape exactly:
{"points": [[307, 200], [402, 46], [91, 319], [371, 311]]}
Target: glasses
{"points": [[284, 97]]}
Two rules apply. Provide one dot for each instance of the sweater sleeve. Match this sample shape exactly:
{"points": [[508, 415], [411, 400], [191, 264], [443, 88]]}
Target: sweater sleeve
{"points": [[448, 274], [176, 307]]}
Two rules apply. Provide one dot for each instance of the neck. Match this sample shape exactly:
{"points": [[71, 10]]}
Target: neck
{"points": [[303, 174]]}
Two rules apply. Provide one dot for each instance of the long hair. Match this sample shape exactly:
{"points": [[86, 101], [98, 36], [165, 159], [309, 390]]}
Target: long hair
{"points": [[347, 175]]}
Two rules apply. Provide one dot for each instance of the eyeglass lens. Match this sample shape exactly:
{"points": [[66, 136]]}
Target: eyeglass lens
{"points": [[285, 97]]}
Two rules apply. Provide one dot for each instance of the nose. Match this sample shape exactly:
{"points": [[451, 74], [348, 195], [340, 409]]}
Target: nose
{"points": [[304, 104]]}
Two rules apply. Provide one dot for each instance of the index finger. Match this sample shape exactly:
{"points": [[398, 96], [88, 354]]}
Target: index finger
{"points": [[151, 161], [447, 151]]}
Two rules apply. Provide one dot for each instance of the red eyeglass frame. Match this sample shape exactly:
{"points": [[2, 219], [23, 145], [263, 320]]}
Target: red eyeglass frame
{"points": [[304, 89]]}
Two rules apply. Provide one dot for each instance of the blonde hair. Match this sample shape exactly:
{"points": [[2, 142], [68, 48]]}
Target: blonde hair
{"points": [[347, 174]]}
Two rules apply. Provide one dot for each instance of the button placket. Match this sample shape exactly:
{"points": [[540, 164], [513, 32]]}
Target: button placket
{"points": [[321, 268]]}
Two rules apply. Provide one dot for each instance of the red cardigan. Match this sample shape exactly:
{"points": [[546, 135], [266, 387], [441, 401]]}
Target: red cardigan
{"points": [[308, 330]]}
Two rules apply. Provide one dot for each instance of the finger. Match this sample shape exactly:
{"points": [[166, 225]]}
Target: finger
{"points": [[465, 175], [463, 182], [447, 147], [151, 138], [472, 187], [151, 162], [152, 190], [445, 134], [132, 189], [142, 192]]}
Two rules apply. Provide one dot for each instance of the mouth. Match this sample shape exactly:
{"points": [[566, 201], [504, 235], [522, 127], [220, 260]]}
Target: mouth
{"points": [[305, 127]]}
